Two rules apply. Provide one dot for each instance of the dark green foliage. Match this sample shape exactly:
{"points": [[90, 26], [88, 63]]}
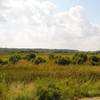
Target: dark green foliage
{"points": [[14, 59], [39, 60], [56, 57], [30, 57], [51, 92], [51, 56], [5, 62], [1, 61], [94, 60], [79, 58], [63, 61]]}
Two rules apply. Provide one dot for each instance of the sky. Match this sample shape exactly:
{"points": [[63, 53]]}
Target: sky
{"points": [[53, 24], [91, 7]]}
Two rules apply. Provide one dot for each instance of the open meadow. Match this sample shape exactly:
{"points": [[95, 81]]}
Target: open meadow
{"points": [[49, 76]]}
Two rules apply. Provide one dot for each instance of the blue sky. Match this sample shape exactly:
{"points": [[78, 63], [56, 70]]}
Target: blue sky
{"points": [[91, 7]]}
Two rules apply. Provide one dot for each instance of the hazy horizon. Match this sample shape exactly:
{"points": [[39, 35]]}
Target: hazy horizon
{"points": [[51, 24], [51, 49]]}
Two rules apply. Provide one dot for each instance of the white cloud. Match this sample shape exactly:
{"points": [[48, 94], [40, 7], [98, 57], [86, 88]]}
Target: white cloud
{"points": [[38, 24]]}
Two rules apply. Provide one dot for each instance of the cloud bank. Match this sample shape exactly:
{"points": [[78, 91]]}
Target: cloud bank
{"points": [[39, 24]]}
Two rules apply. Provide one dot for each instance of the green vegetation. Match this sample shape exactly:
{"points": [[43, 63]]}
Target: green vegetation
{"points": [[79, 58], [39, 60], [49, 76], [30, 57], [63, 61], [94, 60], [14, 59], [51, 92]]}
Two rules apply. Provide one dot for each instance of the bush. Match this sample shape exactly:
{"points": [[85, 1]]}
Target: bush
{"points": [[51, 92], [56, 57], [30, 56], [5, 62], [63, 61], [39, 60], [79, 58], [14, 59], [51, 56], [94, 60], [1, 61]]}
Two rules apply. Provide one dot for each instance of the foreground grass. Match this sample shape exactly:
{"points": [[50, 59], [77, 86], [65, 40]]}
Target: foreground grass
{"points": [[74, 81], [70, 88]]}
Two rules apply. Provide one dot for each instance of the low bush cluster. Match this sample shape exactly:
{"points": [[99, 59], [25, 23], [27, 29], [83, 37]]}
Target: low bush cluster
{"points": [[63, 61], [14, 59], [2, 62], [79, 59], [39, 60], [94, 60], [30, 57], [76, 59], [51, 92]]}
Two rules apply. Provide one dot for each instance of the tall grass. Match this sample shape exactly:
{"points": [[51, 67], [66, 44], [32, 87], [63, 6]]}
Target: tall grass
{"points": [[20, 81]]}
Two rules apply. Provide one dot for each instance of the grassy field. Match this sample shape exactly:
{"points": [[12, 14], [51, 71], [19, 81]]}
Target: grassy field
{"points": [[25, 80]]}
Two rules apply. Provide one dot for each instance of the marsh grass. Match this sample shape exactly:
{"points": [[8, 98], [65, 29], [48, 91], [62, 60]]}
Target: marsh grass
{"points": [[20, 81]]}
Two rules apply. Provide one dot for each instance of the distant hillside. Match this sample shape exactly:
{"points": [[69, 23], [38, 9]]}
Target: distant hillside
{"points": [[39, 50], [3, 50]]}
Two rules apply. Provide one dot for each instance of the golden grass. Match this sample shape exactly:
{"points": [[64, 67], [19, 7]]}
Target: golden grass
{"points": [[24, 77]]}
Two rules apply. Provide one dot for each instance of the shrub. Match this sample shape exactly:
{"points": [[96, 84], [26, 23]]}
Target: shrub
{"points": [[79, 59], [51, 92], [39, 60], [30, 56], [14, 59], [94, 60], [3, 62], [56, 57], [51, 56], [63, 61]]}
